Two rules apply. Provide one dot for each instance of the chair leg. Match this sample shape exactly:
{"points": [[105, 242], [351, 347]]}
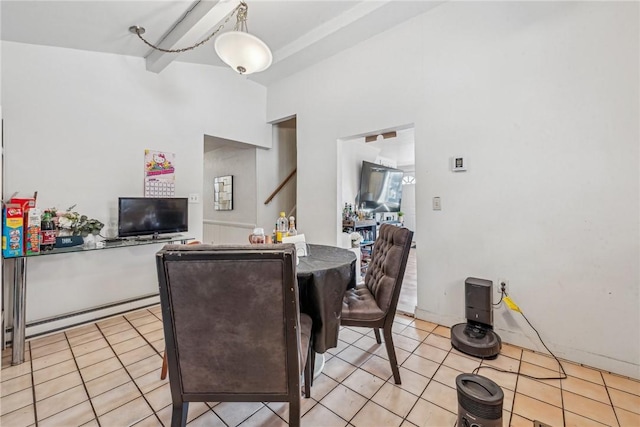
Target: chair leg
{"points": [[308, 374], [294, 412], [163, 372], [391, 352], [377, 332], [179, 414], [313, 363]]}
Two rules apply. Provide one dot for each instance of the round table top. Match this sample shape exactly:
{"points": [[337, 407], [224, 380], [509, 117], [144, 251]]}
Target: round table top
{"points": [[322, 257]]}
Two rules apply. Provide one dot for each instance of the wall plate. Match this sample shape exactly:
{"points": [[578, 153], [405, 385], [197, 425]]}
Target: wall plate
{"points": [[437, 205], [458, 164]]}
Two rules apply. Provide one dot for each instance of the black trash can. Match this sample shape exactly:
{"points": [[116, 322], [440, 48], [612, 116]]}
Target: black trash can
{"points": [[479, 401]]}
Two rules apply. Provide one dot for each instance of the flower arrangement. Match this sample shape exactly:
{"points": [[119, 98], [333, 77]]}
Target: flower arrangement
{"points": [[73, 223], [356, 239]]}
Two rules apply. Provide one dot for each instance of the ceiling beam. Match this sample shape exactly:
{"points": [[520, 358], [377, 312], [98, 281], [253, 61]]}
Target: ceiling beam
{"points": [[356, 13], [198, 23]]}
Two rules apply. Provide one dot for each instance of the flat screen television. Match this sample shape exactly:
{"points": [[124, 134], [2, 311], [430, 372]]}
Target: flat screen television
{"points": [[146, 216], [380, 188]]}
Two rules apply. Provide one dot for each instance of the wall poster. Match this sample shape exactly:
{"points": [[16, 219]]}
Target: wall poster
{"points": [[159, 174]]}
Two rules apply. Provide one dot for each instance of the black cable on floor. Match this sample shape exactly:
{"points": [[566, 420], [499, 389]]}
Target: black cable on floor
{"points": [[562, 377]]}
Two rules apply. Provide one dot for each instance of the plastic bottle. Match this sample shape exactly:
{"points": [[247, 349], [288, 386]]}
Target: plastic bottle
{"points": [[292, 227], [282, 226], [47, 232]]}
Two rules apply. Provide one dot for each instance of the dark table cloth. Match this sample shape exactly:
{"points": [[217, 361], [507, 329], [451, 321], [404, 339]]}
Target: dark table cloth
{"points": [[323, 277]]}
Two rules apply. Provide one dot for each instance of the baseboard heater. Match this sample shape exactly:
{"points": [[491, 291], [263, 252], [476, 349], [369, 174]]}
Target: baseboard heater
{"points": [[77, 318]]}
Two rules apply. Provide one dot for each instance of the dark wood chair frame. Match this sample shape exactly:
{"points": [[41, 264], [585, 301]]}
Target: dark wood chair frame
{"points": [[386, 323], [180, 398]]}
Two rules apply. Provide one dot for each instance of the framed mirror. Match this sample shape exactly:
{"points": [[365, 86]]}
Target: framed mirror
{"points": [[223, 193]]}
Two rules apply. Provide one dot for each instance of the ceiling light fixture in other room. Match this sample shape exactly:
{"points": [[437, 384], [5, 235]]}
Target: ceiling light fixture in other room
{"points": [[380, 137], [243, 52]]}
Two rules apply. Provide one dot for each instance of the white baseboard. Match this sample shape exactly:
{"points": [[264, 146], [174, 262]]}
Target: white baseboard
{"points": [[47, 326], [520, 339]]}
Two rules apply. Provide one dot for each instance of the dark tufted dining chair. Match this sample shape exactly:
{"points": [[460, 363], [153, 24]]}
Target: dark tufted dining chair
{"points": [[232, 325], [373, 303]]}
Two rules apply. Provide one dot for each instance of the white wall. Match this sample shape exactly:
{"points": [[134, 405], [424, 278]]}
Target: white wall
{"points": [[76, 126], [542, 97], [238, 160]]}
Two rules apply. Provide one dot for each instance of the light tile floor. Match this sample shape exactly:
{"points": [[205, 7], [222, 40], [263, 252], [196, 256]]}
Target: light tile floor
{"points": [[108, 374]]}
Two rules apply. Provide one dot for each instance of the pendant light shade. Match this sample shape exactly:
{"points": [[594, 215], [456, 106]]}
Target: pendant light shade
{"points": [[243, 52]]}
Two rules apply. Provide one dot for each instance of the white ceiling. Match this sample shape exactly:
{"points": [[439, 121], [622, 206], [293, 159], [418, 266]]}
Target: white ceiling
{"points": [[299, 33]]}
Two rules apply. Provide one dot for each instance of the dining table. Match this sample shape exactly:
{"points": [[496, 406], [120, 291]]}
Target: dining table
{"points": [[324, 275]]}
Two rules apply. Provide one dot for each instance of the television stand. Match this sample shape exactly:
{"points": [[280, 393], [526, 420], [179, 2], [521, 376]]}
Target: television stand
{"points": [[157, 237]]}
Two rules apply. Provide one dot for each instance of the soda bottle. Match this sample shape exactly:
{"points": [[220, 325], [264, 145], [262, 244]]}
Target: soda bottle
{"points": [[47, 232]]}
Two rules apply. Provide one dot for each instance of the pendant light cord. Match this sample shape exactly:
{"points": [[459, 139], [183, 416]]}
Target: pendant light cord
{"points": [[241, 9]]}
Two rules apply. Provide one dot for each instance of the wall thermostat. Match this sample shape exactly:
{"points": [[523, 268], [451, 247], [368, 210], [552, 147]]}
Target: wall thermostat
{"points": [[458, 164]]}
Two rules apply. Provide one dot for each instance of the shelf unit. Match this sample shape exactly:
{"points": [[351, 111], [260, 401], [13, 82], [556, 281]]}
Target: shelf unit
{"points": [[368, 229]]}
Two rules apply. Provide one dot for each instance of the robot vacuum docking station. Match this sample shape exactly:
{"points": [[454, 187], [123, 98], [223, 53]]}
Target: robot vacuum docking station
{"points": [[476, 337]]}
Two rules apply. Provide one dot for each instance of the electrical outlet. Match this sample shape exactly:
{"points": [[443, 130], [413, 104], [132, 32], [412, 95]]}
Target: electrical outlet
{"points": [[503, 285]]}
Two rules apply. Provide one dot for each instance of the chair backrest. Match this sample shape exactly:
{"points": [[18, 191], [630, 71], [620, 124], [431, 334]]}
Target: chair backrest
{"points": [[231, 322], [388, 262]]}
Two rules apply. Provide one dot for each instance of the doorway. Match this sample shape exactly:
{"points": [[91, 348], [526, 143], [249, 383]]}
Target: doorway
{"points": [[226, 158], [394, 148]]}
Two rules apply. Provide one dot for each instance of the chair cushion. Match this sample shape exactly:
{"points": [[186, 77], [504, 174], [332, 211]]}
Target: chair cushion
{"points": [[359, 304]]}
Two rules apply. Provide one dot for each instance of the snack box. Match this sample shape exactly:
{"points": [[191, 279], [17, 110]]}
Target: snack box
{"points": [[12, 230], [25, 203], [32, 232]]}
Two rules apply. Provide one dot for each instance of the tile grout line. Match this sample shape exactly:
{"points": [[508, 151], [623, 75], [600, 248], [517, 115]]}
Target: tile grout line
{"points": [[428, 382], [33, 387], [357, 368], [145, 338], [210, 409], [319, 402], [434, 373], [84, 385], [128, 373], [615, 413], [60, 392], [515, 389], [276, 414], [562, 396], [214, 413]]}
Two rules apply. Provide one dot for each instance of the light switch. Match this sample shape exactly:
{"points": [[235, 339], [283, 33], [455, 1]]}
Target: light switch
{"points": [[194, 198], [436, 204]]}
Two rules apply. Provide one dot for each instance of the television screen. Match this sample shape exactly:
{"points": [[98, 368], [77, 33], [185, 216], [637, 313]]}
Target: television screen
{"points": [[380, 188], [141, 216]]}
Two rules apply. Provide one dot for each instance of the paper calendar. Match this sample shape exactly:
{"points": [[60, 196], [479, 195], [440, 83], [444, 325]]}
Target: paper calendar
{"points": [[159, 177]]}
